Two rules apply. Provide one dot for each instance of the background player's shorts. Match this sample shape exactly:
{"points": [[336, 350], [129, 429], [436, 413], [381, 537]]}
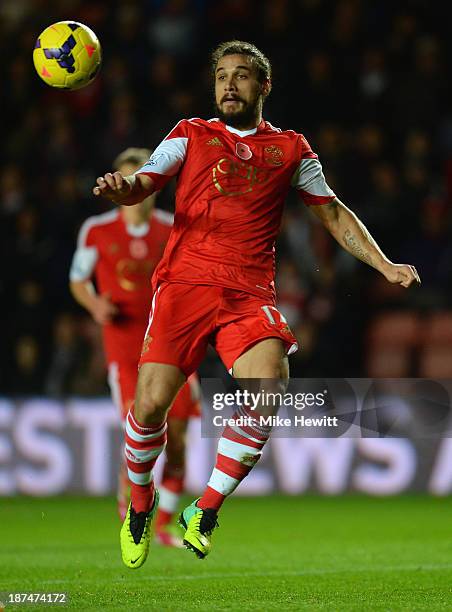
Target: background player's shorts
{"points": [[122, 378], [184, 319]]}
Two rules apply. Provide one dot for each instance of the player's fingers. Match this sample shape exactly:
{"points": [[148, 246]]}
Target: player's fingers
{"points": [[109, 179], [403, 278], [118, 180], [98, 318], [102, 186], [110, 308], [408, 278], [104, 315], [416, 275]]}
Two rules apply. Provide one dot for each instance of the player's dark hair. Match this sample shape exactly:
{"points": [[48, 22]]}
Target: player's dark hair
{"points": [[132, 155], [239, 47]]}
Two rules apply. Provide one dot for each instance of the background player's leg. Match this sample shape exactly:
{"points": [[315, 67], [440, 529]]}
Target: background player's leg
{"points": [[185, 406], [172, 483], [266, 366], [122, 380], [123, 490], [145, 434]]}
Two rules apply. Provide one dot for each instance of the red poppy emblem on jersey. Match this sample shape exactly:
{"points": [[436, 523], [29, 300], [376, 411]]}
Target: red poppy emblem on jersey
{"points": [[243, 151], [138, 248]]}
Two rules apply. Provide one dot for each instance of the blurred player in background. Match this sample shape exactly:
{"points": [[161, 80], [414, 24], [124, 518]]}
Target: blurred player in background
{"points": [[215, 283], [120, 250]]}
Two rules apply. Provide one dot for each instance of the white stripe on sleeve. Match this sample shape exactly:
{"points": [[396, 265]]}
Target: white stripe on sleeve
{"points": [[310, 178], [83, 263], [167, 158]]}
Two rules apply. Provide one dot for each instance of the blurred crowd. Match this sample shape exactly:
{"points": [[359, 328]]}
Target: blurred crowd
{"points": [[366, 82]]}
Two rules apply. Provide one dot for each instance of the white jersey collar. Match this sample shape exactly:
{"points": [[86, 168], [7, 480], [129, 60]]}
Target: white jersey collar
{"points": [[240, 132], [137, 231]]}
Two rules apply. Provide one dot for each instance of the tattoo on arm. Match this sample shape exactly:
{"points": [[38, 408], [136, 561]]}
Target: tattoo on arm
{"points": [[355, 248]]}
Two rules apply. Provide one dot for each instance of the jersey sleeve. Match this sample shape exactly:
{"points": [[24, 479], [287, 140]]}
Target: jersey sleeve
{"points": [[309, 180], [86, 255], [168, 157]]}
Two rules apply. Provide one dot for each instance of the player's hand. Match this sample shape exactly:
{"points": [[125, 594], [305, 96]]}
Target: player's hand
{"points": [[113, 186], [103, 310], [402, 274]]}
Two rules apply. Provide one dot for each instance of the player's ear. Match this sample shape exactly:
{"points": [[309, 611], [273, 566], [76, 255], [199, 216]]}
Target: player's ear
{"points": [[266, 87]]}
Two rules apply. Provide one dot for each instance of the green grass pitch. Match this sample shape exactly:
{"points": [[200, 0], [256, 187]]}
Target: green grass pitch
{"points": [[274, 553]]}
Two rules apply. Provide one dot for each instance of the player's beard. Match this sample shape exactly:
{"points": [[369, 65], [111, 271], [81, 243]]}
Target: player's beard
{"points": [[248, 115]]}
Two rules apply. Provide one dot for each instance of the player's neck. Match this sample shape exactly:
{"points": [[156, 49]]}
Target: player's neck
{"points": [[246, 130], [246, 127], [136, 214]]}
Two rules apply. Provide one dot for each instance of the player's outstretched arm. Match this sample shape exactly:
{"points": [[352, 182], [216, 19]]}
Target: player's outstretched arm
{"points": [[100, 307], [124, 190], [354, 237]]}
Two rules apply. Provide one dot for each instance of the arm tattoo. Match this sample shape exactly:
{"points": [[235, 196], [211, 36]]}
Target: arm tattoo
{"points": [[355, 248]]}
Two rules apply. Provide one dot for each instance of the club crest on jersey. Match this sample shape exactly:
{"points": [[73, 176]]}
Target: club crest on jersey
{"points": [[138, 248], [273, 155], [243, 151]]}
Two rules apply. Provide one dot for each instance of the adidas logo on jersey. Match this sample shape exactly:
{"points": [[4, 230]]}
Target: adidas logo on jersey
{"points": [[216, 142]]}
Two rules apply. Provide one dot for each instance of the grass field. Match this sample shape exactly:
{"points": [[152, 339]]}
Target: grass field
{"points": [[296, 553]]}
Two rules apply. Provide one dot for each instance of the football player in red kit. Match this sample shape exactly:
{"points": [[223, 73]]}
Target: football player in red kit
{"points": [[215, 282], [120, 249]]}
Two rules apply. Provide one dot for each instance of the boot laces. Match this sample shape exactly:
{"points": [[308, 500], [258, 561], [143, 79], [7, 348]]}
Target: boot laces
{"points": [[138, 522], [208, 521]]}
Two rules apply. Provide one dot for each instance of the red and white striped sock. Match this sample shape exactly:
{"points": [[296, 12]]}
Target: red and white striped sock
{"points": [[142, 449], [170, 491], [239, 448]]}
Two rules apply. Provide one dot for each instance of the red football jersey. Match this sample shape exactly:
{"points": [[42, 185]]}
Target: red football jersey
{"points": [[231, 187], [122, 257]]}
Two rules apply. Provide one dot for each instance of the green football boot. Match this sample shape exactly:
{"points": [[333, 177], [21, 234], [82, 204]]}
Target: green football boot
{"points": [[198, 525], [136, 535]]}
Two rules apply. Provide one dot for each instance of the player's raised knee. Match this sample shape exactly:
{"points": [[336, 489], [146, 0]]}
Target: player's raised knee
{"points": [[153, 406], [157, 387]]}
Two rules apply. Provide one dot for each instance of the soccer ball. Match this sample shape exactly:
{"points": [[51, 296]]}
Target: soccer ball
{"points": [[67, 55]]}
